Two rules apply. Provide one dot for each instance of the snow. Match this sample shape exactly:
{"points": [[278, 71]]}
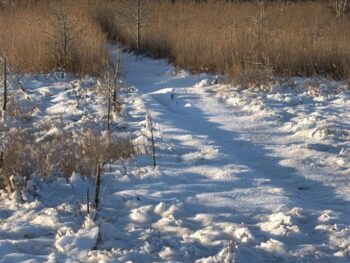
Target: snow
{"points": [[243, 175], [273, 246], [279, 224], [77, 245]]}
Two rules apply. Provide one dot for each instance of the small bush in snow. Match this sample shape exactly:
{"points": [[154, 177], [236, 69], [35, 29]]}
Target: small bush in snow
{"points": [[61, 155]]}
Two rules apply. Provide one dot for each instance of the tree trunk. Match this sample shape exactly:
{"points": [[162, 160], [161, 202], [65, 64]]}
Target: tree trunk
{"points": [[109, 113], [138, 26], [1, 159], [87, 201], [153, 148], [116, 78], [151, 128], [97, 186], [5, 86]]}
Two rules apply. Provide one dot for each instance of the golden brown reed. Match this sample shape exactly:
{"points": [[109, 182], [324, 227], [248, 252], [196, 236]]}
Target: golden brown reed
{"points": [[285, 39], [29, 36]]}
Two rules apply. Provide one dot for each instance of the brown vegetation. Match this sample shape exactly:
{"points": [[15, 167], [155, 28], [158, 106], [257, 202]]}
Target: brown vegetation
{"points": [[63, 154], [240, 38], [40, 36], [283, 38]]}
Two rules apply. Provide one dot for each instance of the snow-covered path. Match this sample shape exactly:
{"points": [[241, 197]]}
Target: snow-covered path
{"points": [[243, 176], [229, 176]]}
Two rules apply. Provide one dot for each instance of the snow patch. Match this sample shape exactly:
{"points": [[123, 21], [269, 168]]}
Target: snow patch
{"points": [[77, 245], [279, 224]]}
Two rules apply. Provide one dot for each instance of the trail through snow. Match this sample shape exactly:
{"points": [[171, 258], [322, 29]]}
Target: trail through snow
{"points": [[243, 175], [235, 175]]}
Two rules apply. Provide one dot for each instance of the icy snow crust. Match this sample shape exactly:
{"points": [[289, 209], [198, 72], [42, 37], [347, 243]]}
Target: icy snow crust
{"points": [[243, 175]]}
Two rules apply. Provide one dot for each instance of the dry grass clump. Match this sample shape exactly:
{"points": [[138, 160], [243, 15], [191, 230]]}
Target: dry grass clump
{"points": [[62, 155], [98, 149], [18, 151], [282, 38], [44, 36]]}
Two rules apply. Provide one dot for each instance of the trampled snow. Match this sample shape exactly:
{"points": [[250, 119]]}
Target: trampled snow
{"points": [[243, 175]]}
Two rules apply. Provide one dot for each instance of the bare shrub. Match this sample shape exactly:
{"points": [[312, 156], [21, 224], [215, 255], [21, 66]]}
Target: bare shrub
{"points": [[61, 155], [66, 154], [253, 78], [17, 158], [109, 84], [96, 149]]}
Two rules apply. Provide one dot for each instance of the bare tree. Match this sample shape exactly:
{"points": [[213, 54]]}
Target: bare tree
{"points": [[116, 77], [258, 27], [133, 14], [110, 84], [64, 39], [339, 7]]}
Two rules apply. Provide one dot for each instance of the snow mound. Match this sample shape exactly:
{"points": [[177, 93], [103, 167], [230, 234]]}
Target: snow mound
{"points": [[279, 224], [140, 214], [339, 238], [243, 235], [77, 245], [272, 245]]}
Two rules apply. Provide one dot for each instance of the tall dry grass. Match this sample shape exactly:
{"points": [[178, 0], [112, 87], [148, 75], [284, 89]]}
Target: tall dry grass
{"points": [[62, 154], [29, 36], [286, 39], [244, 40]]}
